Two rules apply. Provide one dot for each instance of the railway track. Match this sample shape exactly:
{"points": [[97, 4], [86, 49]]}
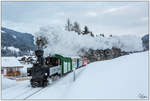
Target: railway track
{"points": [[29, 91], [32, 94], [37, 91]]}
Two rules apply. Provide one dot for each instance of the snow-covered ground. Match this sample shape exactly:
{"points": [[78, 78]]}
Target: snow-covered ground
{"points": [[125, 77]]}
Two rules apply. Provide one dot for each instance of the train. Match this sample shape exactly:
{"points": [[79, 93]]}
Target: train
{"points": [[52, 67]]}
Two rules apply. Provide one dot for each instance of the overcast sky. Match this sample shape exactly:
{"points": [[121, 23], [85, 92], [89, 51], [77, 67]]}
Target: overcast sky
{"points": [[117, 18]]}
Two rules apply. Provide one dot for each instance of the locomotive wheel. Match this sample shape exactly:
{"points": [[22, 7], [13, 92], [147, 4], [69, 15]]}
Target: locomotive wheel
{"points": [[45, 83], [56, 77], [34, 84]]}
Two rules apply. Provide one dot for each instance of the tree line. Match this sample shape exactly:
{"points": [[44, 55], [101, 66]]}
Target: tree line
{"points": [[76, 28]]}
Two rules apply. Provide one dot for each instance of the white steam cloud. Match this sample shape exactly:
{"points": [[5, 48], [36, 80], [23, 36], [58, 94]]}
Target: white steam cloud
{"points": [[70, 43]]}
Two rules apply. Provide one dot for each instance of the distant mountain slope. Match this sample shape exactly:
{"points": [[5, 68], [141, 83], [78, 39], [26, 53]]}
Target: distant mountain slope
{"points": [[18, 40], [145, 40]]}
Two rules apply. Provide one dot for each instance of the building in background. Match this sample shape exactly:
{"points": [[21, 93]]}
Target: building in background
{"points": [[11, 67]]}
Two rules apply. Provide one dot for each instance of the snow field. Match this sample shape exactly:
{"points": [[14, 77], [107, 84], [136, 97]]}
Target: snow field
{"points": [[22, 89], [124, 77]]}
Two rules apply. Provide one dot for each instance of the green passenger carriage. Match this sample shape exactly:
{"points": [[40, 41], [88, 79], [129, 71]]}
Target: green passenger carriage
{"points": [[66, 63]]}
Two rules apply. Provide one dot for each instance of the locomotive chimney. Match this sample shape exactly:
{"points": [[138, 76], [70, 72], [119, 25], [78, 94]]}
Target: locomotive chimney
{"points": [[41, 42]]}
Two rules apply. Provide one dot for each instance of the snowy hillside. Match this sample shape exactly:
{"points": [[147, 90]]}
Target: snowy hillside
{"points": [[70, 43], [16, 43], [125, 77]]}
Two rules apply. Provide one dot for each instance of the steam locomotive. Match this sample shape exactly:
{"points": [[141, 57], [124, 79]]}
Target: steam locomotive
{"points": [[52, 67]]}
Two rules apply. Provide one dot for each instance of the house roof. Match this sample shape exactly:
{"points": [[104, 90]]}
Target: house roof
{"points": [[10, 62]]}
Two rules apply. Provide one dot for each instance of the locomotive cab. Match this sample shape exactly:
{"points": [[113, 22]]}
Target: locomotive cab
{"points": [[54, 65]]}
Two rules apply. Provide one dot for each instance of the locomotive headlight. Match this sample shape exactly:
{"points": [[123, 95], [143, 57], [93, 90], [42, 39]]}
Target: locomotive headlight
{"points": [[46, 74]]}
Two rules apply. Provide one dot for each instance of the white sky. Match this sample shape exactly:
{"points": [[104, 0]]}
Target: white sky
{"points": [[117, 18]]}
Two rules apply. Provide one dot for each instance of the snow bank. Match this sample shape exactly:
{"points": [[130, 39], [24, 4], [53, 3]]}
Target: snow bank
{"points": [[70, 43], [7, 83], [12, 89]]}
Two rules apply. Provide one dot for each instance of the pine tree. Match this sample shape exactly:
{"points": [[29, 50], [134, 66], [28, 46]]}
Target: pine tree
{"points": [[86, 30]]}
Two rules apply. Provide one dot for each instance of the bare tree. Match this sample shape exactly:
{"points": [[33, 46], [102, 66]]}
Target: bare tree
{"points": [[68, 26]]}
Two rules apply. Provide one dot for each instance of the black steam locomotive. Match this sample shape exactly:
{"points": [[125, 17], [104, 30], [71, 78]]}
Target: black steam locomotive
{"points": [[42, 69]]}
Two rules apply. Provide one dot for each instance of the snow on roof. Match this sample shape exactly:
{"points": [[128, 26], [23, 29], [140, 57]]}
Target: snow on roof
{"points": [[10, 62]]}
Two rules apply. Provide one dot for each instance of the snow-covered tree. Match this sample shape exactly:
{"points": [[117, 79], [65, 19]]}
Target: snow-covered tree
{"points": [[76, 27], [102, 35]]}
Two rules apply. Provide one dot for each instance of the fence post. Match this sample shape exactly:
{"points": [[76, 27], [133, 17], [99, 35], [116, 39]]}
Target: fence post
{"points": [[74, 75]]}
